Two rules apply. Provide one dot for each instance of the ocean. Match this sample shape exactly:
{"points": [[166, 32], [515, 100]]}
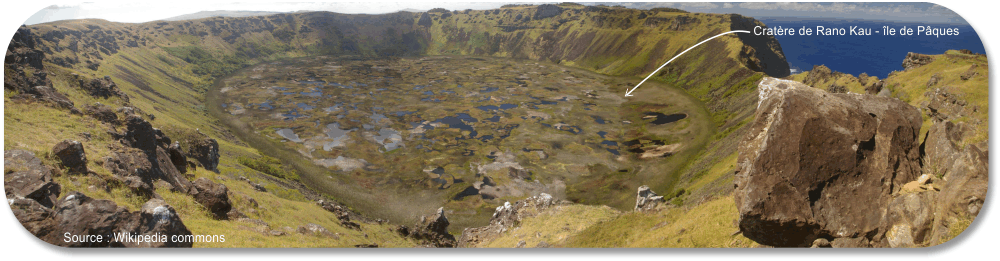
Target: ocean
{"points": [[875, 54]]}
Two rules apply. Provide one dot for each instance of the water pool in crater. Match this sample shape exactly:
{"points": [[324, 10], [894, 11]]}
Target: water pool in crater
{"points": [[491, 129]]}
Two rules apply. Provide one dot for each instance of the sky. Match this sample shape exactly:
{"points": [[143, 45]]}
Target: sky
{"points": [[138, 12]]}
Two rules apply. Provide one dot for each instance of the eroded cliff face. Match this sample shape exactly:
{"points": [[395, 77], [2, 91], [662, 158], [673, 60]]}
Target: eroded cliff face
{"points": [[760, 53]]}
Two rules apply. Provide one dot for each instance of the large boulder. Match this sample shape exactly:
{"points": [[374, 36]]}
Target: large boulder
{"points": [[71, 155], [26, 178], [437, 223], [157, 219], [213, 196], [34, 217], [146, 159], [206, 152], [646, 199], [30, 191], [82, 217], [816, 164], [102, 113], [139, 169], [177, 157]]}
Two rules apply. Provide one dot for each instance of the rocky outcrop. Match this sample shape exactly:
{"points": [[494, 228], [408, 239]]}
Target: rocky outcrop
{"points": [[157, 219], [145, 159], [78, 214], [102, 113], [914, 60], [546, 11], [964, 169], [49, 95], [431, 230], [316, 230], [71, 155], [32, 195], [26, 75], [206, 152], [646, 199], [969, 73], [506, 217], [342, 212], [26, 178], [102, 88], [809, 157], [876, 88], [21, 55], [214, 196]]}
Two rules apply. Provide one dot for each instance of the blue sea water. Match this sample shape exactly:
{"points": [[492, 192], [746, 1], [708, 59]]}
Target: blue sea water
{"points": [[875, 54]]}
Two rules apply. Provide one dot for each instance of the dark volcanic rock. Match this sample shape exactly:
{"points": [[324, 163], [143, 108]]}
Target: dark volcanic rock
{"points": [[343, 214], [546, 11], [103, 87], [139, 133], [50, 95], [78, 214], [72, 155], [432, 230], [25, 177], [914, 60], [760, 52], [177, 157], [138, 169], [816, 164], [21, 49], [35, 218], [425, 20], [102, 113], [21, 58], [157, 219], [206, 152], [214, 196], [146, 159]]}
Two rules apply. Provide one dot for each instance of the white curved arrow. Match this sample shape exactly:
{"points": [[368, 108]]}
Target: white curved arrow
{"points": [[629, 92]]}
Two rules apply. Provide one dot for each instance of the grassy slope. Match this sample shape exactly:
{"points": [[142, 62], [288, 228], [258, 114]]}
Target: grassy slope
{"points": [[162, 82], [910, 86]]}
